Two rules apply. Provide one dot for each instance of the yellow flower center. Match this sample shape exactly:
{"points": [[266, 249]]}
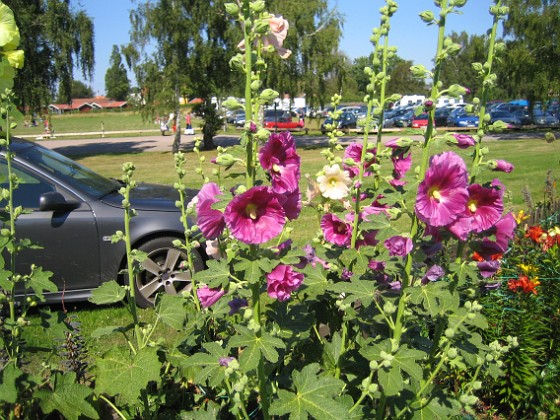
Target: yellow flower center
{"points": [[276, 168], [472, 207], [251, 211], [437, 195], [333, 181]]}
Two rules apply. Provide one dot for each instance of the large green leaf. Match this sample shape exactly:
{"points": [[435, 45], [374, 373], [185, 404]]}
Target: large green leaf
{"points": [[255, 346], [216, 275], [434, 297], [127, 375], [170, 310], [362, 290], [314, 396], [315, 282], [8, 389], [67, 397], [109, 292], [39, 281]]}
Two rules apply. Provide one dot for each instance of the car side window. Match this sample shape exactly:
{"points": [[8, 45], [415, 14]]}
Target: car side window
{"points": [[30, 187]]}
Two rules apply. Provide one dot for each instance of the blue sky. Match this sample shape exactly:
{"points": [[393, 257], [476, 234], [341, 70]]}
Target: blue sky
{"points": [[415, 41]]}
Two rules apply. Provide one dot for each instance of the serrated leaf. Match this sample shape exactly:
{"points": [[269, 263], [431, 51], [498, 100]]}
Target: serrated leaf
{"points": [[39, 281], [208, 368], [391, 380], [127, 375], [109, 292], [332, 351], [362, 290], [170, 310], [252, 269], [406, 359], [8, 377], [216, 275], [435, 409], [313, 396], [67, 397], [376, 222], [315, 282], [434, 297], [255, 346]]}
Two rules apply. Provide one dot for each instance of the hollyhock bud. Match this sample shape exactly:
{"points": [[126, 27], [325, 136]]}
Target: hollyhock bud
{"points": [[268, 95], [427, 17], [462, 141], [500, 165], [428, 105], [457, 90], [232, 8], [208, 296], [398, 246]]}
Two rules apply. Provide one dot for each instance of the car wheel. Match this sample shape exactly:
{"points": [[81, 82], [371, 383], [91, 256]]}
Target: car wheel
{"points": [[162, 271]]}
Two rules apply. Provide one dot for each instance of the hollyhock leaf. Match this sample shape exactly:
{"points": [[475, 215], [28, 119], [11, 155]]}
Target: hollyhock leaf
{"points": [[363, 290], [216, 275], [376, 222], [67, 397], [433, 297], [314, 397], [407, 359], [332, 351], [391, 380], [253, 271], [207, 367], [316, 282], [462, 271], [8, 387], [108, 292], [293, 321], [119, 373], [170, 310]]}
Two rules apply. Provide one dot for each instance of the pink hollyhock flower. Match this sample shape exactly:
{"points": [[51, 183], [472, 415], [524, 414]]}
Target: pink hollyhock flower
{"points": [[504, 230], [488, 268], [278, 32], [464, 141], [208, 297], [278, 156], [336, 231], [398, 246], [291, 203], [210, 221], [484, 207], [501, 165], [434, 273], [401, 164], [461, 227], [442, 195], [255, 216], [354, 152], [282, 281]]}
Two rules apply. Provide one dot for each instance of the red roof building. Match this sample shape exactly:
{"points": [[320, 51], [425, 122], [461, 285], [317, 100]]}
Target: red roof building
{"points": [[87, 105]]}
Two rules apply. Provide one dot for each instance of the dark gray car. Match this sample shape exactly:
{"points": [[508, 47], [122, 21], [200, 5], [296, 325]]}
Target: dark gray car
{"points": [[72, 212]]}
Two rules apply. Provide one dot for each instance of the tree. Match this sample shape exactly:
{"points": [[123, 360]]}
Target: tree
{"points": [[457, 69], [117, 85], [56, 41], [532, 57], [78, 90], [193, 50]]}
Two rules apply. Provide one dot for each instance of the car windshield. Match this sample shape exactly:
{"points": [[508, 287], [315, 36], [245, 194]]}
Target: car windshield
{"points": [[68, 171]]}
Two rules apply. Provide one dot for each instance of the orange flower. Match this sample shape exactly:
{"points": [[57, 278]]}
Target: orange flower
{"points": [[524, 284], [535, 233]]}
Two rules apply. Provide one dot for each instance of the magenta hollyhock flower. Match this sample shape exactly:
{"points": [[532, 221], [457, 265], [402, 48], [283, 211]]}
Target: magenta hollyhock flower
{"points": [[504, 230], [434, 273], [488, 268], [255, 216], [282, 281], [291, 203], [484, 206], [502, 166], [442, 195], [354, 151], [278, 156], [208, 297], [335, 230], [401, 164], [398, 246], [461, 227], [464, 141], [210, 221]]}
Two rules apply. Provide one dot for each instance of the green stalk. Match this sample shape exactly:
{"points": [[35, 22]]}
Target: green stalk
{"points": [[249, 170]]}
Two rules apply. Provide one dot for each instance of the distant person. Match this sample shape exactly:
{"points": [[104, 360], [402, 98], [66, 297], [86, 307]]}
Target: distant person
{"points": [[163, 127], [188, 121]]}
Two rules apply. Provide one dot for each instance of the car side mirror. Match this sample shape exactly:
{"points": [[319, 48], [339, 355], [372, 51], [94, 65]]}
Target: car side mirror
{"points": [[54, 201]]}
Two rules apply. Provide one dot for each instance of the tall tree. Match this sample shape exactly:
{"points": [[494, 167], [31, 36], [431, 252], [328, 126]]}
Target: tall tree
{"points": [[78, 90], [57, 40], [191, 57], [532, 56], [117, 85], [313, 38]]}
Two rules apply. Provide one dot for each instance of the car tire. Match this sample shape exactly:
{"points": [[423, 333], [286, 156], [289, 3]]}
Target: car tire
{"points": [[161, 271]]}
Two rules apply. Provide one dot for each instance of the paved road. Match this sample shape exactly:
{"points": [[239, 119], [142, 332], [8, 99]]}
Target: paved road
{"points": [[157, 142]]}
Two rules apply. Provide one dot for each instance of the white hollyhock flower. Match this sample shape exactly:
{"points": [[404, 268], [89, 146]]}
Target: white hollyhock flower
{"points": [[334, 183]]}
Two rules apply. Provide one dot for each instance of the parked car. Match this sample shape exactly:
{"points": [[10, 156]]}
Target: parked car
{"points": [[347, 121], [231, 116], [404, 119], [523, 116], [419, 121], [283, 120], [507, 117], [459, 117], [544, 118], [72, 212], [441, 115], [239, 120]]}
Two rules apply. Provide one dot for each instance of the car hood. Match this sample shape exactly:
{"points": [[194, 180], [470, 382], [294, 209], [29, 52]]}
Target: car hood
{"points": [[150, 197]]}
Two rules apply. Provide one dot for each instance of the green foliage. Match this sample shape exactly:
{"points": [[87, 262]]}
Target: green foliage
{"points": [[78, 90], [117, 85]]}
